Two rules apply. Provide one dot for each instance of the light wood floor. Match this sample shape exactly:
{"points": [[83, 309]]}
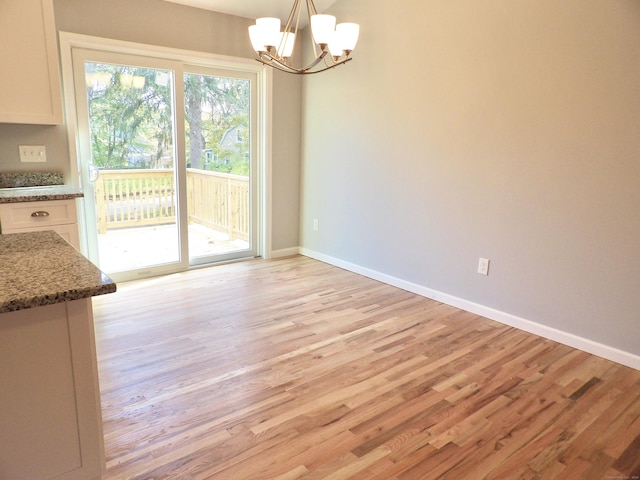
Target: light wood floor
{"points": [[292, 368]]}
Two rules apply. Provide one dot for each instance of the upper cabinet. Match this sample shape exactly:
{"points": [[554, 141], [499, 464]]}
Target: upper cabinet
{"points": [[30, 89]]}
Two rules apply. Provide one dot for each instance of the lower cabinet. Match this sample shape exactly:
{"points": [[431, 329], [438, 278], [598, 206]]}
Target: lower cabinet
{"points": [[58, 215], [50, 419]]}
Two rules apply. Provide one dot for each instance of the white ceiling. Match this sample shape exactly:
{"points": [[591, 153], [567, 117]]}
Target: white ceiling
{"points": [[253, 8]]}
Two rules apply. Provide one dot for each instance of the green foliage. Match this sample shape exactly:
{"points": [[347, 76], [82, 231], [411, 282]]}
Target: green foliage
{"points": [[217, 123], [131, 111], [130, 123]]}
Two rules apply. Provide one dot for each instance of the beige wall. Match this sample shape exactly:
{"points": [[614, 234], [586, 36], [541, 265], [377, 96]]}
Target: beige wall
{"points": [[166, 24], [498, 128]]}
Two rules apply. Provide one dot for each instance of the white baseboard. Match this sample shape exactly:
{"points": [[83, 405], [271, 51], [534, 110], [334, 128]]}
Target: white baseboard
{"points": [[285, 252], [605, 351]]}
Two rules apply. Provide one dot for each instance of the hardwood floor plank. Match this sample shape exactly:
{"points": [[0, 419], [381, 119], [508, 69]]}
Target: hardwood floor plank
{"points": [[293, 369], [629, 461]]}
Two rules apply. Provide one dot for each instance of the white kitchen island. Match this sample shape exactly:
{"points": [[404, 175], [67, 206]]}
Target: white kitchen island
{"points": [[50, 420]]}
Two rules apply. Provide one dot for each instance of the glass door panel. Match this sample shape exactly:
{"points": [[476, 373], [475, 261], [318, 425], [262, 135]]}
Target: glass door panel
{"points": [[130, 113], [218, 119]]}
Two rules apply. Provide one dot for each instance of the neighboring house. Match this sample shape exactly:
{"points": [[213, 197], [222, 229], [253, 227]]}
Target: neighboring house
{"points": [[231, 138], [229, 143]]}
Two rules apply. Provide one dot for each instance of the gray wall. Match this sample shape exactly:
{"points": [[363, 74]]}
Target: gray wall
{"points": [[161, 23], [501, 129]]}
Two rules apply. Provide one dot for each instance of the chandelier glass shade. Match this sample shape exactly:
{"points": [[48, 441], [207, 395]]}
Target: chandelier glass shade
{"points": [[332, 44]]}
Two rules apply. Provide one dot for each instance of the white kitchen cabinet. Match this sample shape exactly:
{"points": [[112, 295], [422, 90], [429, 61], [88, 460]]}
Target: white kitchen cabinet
{"points": [[58, 215], [50, 418], [50, 415], [30, 88]]}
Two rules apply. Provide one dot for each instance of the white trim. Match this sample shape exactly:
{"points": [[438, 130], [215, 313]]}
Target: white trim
{"points": [[191, 57], [601, 350], [265, 143], [286, 252]]}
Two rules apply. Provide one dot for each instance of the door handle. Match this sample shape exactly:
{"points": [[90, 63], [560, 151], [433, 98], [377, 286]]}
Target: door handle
{"points": [[94, 173]]}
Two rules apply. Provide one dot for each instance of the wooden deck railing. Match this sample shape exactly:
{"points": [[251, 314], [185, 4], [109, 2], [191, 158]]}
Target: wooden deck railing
{"points": [[136, 198], [219, 201]]}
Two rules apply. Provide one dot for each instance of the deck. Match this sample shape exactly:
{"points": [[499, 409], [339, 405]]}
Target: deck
{"points": [[136, 215], [139, 247]]}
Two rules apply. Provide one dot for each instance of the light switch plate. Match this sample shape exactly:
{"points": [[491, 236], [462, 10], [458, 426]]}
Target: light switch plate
{"points": [[32, 153]]}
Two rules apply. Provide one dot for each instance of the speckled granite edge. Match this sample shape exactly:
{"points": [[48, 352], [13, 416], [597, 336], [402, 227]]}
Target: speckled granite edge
{"points": [[39, 194], [41, 301], [41, 268], [30, 179]]}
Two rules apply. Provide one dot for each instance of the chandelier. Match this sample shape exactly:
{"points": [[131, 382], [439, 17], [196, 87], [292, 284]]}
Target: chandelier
{"points": [[332, 44]]}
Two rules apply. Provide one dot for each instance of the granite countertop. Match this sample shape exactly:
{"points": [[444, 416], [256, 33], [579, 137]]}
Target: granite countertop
{"points": [[41, 268], [37, 194], [30, 179]]}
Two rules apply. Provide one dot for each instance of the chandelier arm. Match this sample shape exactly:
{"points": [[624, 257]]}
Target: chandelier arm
{"points": [[330, 61], [328, 67], [295, 30], [292, 26], [297, 72], [311, 8], [292, 15], [318, 59], [276, 60], [275, 63]]}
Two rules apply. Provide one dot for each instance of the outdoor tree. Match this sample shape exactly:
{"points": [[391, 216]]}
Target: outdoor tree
{"points": [[130, 117], [216, 106], [194, 92], [131, 111]]}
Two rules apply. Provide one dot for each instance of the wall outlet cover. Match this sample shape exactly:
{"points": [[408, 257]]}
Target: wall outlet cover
{"points": [[483, 266]]}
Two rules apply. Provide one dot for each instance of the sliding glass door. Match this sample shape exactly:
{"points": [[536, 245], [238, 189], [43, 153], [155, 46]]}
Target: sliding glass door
{"points": [[167, 156], [219, 161], [132, 165]]}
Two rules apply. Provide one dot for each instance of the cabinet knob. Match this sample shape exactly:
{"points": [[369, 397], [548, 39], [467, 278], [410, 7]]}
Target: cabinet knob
{"points": [[40, 213]]}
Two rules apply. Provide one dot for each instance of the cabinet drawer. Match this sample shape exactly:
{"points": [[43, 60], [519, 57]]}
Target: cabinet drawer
{"points": [[37, 214]]}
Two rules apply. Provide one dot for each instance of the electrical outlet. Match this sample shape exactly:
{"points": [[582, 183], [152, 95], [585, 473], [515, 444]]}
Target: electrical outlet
{"points": [[315, 224], [483, 266], [32, 153]]}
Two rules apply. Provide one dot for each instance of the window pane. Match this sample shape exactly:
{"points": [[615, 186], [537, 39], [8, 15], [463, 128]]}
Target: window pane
{"points": [[217, 119]]}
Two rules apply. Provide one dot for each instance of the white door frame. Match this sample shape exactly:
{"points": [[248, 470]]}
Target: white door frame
{"points": [[69, 41]]}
